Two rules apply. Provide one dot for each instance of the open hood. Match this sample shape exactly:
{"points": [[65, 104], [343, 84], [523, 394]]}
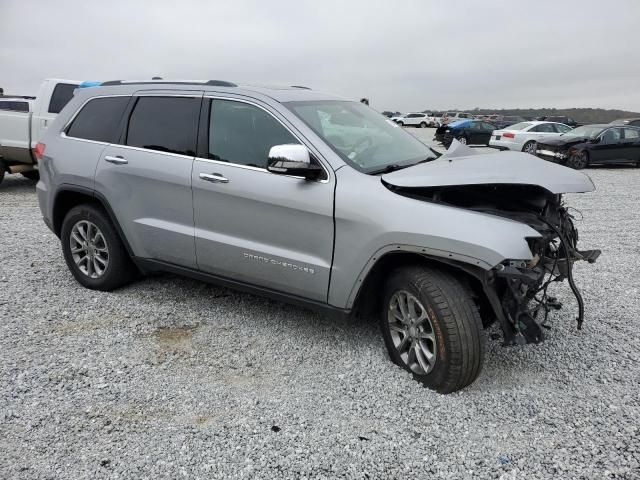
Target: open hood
{"points": [[462, 165]]}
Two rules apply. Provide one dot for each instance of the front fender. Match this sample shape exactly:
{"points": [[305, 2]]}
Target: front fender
{"points": [[372, 221]]}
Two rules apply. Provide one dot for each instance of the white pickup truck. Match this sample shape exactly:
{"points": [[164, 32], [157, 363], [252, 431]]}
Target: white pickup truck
{"points": [[23, 120]]}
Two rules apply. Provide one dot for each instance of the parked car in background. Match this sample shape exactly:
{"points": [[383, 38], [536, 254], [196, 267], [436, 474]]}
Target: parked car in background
{"points": [[467, 132], [559, 119], [24, 120], [396, 117], [265, 190], [522, 137], [433, 120], [418, 119], [634, 122], [503, 121], [593, 145], [449, 117]]}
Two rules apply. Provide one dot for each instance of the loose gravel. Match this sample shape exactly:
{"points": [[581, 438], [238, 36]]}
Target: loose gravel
{"points": [[173, 378]]}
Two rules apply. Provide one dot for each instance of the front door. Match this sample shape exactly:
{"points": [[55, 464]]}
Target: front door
{"points": [[146, 177], [251, 225], [609, 148]]}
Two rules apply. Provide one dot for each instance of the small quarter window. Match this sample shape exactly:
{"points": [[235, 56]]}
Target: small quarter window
{"points": [[99, 119]]}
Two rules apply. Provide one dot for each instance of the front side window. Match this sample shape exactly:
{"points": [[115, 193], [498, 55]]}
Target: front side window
{"points": [[166, 124], [62, 93], [612, 135], [243, 134], [363, 138], [99, 119]]}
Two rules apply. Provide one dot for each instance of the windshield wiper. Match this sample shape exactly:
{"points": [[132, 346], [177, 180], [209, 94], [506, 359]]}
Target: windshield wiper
{"points": [[397, 166]]}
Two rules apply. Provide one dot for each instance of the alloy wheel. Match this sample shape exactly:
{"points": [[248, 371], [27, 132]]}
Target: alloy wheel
{"points": [[463, 140], [89, 249], [579, 160], [412, 332], [530, 147]]}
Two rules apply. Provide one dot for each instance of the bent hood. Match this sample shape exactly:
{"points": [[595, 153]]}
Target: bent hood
{"points": [[462, 165]]}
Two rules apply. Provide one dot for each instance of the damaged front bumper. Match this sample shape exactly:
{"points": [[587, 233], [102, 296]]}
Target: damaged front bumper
{"points": [[521, 285]]}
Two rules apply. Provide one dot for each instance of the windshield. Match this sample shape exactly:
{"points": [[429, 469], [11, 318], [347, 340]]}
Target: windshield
{"points": [[590, 131], [362, 137]]}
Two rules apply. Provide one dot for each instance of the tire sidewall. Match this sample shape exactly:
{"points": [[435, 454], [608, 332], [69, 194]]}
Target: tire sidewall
{"points": [[92, 214], [439, 374], [524, 147]]}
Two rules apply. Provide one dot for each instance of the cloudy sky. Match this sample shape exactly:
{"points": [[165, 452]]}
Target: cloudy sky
{"points": [[404, 55]]}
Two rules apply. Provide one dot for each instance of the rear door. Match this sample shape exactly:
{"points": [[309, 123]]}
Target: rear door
{"points": [[146, 177], [631, 141], [254, 226]]}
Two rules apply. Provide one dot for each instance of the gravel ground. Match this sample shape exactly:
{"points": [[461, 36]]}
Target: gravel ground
{"points": [[172, 378]]}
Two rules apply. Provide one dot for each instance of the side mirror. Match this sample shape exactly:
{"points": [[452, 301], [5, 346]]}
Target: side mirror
{"points": [[292, 160]]}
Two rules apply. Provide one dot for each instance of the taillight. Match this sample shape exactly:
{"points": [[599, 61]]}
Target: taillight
{"points": [[39, 150], [509, 135]]}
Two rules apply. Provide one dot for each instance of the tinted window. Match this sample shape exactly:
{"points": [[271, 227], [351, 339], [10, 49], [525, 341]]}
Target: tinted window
{"points": [[611, 135], [243, 134], [98, 120], [166, 124], [15, 106], [62, 93], [631, 133]]}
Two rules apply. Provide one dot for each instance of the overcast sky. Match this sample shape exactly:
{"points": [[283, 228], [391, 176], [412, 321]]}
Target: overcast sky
{"points": [[404, 55]]}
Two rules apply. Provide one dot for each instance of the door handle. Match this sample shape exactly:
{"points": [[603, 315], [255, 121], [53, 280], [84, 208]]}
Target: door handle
{"points": [[116, 160], [214, 177]]}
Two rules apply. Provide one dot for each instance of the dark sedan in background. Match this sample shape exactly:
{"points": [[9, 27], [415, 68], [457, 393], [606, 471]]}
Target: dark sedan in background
{"points": [[593, 145], [467, 132]]}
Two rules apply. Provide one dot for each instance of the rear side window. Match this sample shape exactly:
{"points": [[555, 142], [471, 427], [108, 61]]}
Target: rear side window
{"points": [[243, 134], [98, 120], [166, 124], [15, 106], [62, 93]]}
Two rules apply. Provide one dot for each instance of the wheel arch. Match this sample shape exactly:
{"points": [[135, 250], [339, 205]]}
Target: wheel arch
{"points": [[70, 196], [368, 301]]}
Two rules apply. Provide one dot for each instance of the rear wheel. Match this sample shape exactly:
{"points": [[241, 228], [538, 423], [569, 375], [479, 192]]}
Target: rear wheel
{"points": [[578, 160], [31, 175], [530, 147], [93, 249], [463, 140], [432, 328], [401, 124]]}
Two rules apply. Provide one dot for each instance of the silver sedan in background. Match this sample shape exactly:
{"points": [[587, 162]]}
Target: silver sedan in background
{"points": [[522, 137]]}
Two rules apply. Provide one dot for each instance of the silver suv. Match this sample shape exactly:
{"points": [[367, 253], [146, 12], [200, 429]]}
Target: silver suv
{"points": [[314, 200]]}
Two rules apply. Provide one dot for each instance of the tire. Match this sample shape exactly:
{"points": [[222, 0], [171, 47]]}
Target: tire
{"points": [[118, 269], [423, 125], [32, 175], [579, 160], [452, 324], [463, 140], [530, 147], [401, 124]]}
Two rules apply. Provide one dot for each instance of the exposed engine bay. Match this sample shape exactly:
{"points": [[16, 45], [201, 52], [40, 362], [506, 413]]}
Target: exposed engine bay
{"points": [[517, 289]]}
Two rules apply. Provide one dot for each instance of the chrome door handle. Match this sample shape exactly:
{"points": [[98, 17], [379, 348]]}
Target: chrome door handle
{"points": [[117, 160], [214, 178]]}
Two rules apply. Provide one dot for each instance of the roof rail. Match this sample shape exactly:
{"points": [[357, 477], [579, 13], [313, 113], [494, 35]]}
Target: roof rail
{"points": [[300, 86], [212, 83]]}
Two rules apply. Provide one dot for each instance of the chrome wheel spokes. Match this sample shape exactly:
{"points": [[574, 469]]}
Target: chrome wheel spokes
{"points": [[89, 249], [412, 332]]}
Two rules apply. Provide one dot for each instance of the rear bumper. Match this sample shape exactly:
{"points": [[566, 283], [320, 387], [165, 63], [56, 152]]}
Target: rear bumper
{"points": [[504, 145]]}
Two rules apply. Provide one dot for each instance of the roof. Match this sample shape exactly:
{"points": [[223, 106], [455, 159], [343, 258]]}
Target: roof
{"points": [[278, 93]]}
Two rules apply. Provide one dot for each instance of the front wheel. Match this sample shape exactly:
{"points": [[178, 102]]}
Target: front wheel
{"points": [[93, 249], [432, 328], [578, 160], [401, 124], [423, 125]]}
